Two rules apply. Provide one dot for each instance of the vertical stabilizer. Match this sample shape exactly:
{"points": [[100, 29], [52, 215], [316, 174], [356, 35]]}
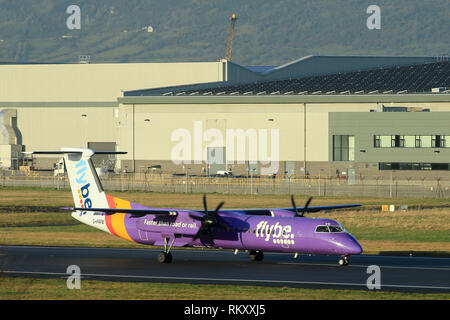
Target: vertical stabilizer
{"points": [[87, 190]]}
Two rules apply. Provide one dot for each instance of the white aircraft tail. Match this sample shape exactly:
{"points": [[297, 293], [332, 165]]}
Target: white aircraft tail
{"points": [[87, 190]]}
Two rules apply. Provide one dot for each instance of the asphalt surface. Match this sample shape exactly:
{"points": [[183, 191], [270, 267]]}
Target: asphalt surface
{"points": [[397, 273]]}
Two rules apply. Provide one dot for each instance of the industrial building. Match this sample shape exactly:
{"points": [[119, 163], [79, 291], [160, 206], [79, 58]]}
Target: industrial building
{"points": [[330, 115]]}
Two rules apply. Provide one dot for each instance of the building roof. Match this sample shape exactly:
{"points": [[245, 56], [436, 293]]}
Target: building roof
{"points": [[417, 78], [261, 69]]}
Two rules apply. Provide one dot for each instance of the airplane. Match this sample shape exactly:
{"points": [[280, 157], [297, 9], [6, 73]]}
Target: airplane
{"points": [[256, 231]]}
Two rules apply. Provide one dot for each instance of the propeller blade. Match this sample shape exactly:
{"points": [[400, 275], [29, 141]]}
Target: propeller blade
{"points": [[205, 207], [211, 240], [199, 233], [196, 217], [209, 220], [305, 208], [294, 205], [218, 207], [196, 236]]}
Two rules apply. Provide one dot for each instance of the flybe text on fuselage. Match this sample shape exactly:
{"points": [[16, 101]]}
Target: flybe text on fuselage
{"points": [[279, 233], [83, 191]]}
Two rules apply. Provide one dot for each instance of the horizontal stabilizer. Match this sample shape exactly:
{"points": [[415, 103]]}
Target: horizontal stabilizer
{"points": [[74, 152], [136, 212]]}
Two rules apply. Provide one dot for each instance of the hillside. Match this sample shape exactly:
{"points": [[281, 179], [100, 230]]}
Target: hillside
{"points": [[268, 32]]}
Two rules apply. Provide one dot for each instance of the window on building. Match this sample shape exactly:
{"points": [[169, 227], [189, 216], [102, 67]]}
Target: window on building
{"points": [[425, 141], [414, 166], [377, 141], [343, 148], [395, 109], [418, 142], [382, 141], [400, 141], [397, 141], [385, 141], [410, 141], [438, 141], [447, 141]]}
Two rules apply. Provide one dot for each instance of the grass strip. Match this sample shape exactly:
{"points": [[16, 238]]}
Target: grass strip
{"points": [[12, 288]]}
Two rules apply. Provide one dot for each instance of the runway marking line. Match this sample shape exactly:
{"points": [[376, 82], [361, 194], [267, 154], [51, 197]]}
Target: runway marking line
{"points": [[230, 280], [362, 266]]}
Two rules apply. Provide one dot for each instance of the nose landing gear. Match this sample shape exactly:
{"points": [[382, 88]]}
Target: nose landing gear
{"points": [[343, 261], [256, 255]]}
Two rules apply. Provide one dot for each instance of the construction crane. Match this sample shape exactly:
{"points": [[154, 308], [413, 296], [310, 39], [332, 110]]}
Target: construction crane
{"points": [[230, 36]]}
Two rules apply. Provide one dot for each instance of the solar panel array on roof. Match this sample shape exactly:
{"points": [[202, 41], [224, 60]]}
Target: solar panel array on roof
{"points": [[409, 79]]}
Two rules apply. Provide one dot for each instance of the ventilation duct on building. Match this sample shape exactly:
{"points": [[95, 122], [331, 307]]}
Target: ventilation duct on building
{"points": [[9, 133]]}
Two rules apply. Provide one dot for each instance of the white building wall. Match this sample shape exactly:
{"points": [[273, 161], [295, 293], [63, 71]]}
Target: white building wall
{"points": [[97, 82]]}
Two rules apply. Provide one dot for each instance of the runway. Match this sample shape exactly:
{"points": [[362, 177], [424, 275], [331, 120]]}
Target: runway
{"points": [[411, 274]]}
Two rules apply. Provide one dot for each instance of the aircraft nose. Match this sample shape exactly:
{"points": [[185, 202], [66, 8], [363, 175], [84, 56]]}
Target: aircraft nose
{"points": [[347, 245], [353, 246]]}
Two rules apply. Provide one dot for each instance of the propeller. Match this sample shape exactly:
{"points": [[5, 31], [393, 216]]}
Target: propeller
{"points": [[209, 220], [305, 208]]}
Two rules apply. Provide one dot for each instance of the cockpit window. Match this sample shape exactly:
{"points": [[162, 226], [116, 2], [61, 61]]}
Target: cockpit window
{"points": [[336, 229], [332, 229], [322, 229]]}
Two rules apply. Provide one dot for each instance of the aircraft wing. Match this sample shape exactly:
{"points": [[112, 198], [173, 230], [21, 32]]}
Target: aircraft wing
{"points": [[321, 208], [143, 212], [268, 212]]}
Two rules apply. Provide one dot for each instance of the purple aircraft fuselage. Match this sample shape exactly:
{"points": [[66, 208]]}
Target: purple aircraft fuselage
{"points": [[279, 233]]}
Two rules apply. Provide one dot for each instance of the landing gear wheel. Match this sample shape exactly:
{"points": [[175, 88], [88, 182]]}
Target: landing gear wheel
{"points": [[256, 256], [343, 261], [164, 257]]}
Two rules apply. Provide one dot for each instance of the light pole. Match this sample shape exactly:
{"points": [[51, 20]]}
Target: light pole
{"points": [[319, 181], [251, 178], [185, 179]]}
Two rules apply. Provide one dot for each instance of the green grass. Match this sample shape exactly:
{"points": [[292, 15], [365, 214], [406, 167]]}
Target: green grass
{"points": [[56, 289], [35, 219], [381, 233]]}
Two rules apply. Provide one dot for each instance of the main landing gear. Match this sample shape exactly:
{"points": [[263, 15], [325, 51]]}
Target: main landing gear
{"points": [[343, 261], [166, 256], [256, 255]]}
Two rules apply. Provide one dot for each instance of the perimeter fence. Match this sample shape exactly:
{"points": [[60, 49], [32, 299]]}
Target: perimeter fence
{"points": [[314, 186]]}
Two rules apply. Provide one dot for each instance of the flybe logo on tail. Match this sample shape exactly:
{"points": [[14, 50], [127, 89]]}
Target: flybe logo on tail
{"points": [[83, 192]]}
